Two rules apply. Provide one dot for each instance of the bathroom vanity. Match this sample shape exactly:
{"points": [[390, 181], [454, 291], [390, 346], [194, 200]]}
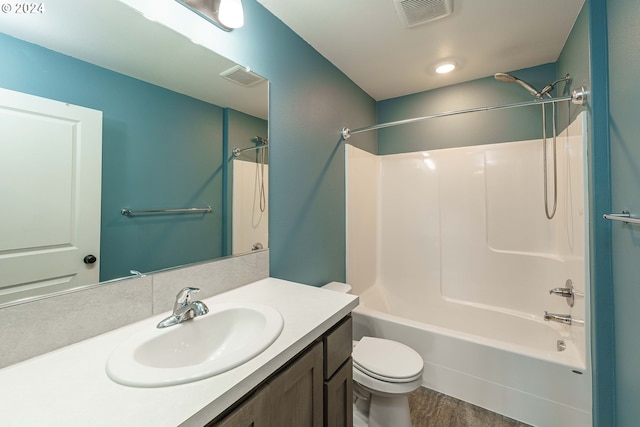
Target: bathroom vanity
{"points": [[314, 389], [303, 378]]}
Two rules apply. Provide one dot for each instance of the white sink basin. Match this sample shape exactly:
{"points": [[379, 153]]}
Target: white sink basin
{"points": [[228, 336]]}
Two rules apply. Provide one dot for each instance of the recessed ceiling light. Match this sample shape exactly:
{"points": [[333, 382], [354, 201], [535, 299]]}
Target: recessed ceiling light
{"points": [[446, 67]]}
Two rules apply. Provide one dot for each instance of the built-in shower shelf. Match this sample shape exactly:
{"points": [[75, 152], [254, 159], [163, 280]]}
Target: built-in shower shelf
{"points": [[625, 216]]}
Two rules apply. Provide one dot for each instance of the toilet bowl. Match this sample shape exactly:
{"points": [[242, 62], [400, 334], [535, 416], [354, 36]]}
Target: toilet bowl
{"points": [[384, 373]]}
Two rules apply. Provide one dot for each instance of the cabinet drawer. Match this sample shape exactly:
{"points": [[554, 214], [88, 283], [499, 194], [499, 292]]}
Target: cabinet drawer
{"points": [[337, 347]]}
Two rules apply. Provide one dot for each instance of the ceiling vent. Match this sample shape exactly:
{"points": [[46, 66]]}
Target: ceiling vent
{"points": [[418, 12], [242, 76]]}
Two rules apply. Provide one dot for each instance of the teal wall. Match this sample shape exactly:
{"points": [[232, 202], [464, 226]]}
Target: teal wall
{"points": [[309, 103], [583, 56], [574, 60], [240, 128], [160, 149], [515, 124], [624, 133]]}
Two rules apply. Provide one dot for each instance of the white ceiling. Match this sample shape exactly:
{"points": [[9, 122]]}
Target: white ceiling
{"points": [[112, 35], [366, 40]]}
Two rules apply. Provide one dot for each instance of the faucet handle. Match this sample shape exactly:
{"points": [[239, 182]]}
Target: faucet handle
{"points": [[563, 292], [566, 292], [184, 296]]}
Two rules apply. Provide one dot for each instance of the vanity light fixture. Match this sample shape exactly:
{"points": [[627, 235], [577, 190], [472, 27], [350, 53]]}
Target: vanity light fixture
{"points": [[231, 13], [224, 14], [445, 67]]}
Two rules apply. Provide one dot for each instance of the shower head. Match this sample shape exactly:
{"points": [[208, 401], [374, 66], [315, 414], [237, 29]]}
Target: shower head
{"points": [[505, 78], [508, 78], [260, 140]]}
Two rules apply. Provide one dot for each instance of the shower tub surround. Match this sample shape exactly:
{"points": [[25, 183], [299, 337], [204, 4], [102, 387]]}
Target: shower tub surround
{"points": [[250, 211], [451, 253]]}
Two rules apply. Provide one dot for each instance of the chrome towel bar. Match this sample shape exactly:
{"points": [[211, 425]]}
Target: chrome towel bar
{"points": [[129, 212], [625, 216]]}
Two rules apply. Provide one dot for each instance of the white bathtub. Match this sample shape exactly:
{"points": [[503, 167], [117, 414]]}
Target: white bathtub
{"points": [[507, 364]]}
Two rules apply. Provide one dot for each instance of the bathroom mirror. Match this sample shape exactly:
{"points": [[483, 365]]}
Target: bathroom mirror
{"points": [[169, 124]]}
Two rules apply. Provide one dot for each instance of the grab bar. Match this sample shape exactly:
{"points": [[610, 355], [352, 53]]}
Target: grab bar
{"points": [[129, 212], [625, 216]]}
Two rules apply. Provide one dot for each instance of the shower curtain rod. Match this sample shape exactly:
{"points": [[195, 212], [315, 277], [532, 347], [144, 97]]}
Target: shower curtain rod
{"points": [[236, 151], [578, 97]]}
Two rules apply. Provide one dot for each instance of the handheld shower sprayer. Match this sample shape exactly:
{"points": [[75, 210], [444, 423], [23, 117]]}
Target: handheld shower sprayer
{"points": [[508, 78]]}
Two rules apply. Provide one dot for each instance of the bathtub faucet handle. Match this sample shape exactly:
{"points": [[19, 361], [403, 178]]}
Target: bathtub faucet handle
{"points": [[561, 318], [566, 292], [563, 292]]}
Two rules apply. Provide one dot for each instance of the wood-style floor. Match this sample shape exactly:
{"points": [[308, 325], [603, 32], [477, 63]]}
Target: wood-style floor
{"points": [[432, 409]]}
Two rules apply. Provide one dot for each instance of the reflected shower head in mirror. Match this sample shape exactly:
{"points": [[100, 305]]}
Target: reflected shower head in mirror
{"points": [[260, 140], [508, 78]]}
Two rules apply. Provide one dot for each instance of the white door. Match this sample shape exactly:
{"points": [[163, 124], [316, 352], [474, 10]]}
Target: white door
{"points": [[50, 178]]}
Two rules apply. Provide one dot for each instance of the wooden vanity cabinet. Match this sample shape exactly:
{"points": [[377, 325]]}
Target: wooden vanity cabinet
{"points": [[313, 390], [250, 413]]}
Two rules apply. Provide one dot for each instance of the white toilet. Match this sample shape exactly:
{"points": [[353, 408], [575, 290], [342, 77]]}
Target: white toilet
{"points": [[384, 373]]}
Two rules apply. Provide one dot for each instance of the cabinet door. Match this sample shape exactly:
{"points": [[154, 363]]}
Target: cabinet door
{"points": [[337, 347], [251, 413], [296, 393], [338, 398]]}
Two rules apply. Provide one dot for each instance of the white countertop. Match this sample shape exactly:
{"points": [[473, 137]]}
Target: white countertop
{"points": [[69, 386]]}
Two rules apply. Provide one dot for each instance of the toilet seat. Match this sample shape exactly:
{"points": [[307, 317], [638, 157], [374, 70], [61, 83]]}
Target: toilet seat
{"points": [[387, 379], [387, 361], [384, 388]]}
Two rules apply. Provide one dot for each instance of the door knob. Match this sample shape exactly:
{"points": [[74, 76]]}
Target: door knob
{"points": [[90, 259]]}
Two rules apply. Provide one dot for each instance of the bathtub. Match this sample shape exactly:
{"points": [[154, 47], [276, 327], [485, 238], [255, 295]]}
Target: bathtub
{"points": [[505, 363]]}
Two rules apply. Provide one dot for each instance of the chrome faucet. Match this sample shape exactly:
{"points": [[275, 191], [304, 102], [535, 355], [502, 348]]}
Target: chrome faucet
{"points": [[561, 318], [184, 308]]}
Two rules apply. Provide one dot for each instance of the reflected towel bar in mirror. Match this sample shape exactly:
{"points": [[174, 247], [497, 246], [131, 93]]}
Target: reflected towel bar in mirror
{"points": [[129, 212], [625, 216]]}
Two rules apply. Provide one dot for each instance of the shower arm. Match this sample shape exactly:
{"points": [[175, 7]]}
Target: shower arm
{"points": [[577, 97]]}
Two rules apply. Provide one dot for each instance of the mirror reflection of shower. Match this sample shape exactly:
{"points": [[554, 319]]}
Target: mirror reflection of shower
{"points": [[265, 145], [250, 188], [508, 78]]}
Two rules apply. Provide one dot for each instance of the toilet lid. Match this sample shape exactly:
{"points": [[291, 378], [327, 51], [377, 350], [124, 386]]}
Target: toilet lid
{"points": [[387, 360]]}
